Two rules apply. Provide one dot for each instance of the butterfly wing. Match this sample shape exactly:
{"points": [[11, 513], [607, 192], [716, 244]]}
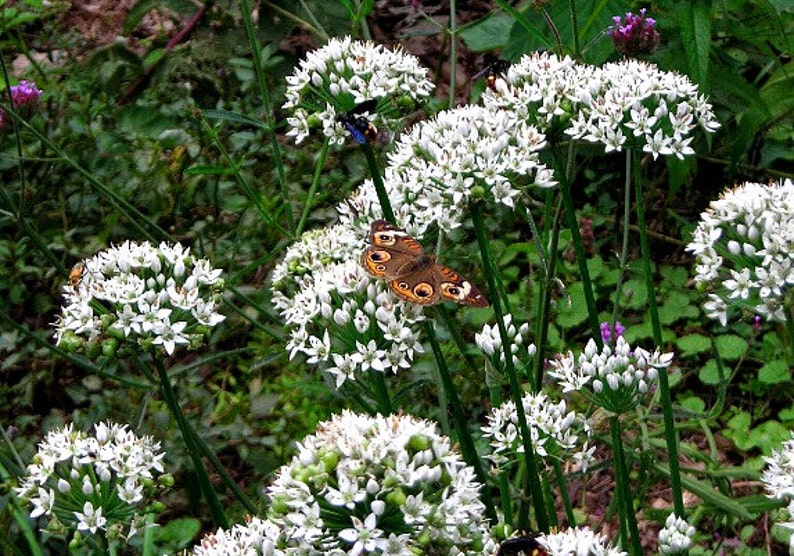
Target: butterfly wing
{"points": [[392, 252]]}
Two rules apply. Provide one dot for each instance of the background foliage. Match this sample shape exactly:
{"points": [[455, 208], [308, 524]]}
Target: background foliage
{"points": [[147, 133]]}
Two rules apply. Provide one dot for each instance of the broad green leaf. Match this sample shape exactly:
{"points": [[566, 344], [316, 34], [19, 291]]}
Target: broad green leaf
{"points": [[775, 372], [730, 347], [692, 344], [708, 373], [695, 19], [488, 33]]}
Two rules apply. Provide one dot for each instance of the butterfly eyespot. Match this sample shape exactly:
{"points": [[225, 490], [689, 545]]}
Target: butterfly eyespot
{"points": [[379, 256], [453, 290], [423, 290]]}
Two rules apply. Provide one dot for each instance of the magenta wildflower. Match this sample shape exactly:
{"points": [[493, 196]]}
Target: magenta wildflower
{"points": [[607, 331], [25, 95], [636, 35]]}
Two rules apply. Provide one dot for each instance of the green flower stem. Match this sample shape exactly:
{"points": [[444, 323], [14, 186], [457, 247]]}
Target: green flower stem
{"points": [[221, 470], [497, 294], [453, 51], [544, 295], [377, 181], [318, 172], [467, 448], [575, 30], [624, 249], [264, 92], [581, 256], [216, 511], [671, 434], [151, 231], [790, 330], [629, 534], [252, 195], [562, 487], [381, 392]]}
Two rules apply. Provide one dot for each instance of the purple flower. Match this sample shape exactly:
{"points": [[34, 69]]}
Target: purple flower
{"points": [[636, 36], [25, 95], [606, 331]]}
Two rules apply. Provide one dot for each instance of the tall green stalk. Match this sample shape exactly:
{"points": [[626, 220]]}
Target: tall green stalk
{"points": [[629, 533], [318, 172], [215, 508], [670, 432], [377, 181], [467, 448], [497, 294], [264, 92], [564, 178]]}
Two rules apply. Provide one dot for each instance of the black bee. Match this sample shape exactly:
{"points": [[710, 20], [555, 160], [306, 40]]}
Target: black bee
{"points": [[358, 126], [521, 545], [495, 68]]}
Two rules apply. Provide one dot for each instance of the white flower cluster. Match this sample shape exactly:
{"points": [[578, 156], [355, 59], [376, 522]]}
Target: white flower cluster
{"points": [[580, 540], [744, 251], [92, 483], [490, 342], [676, 536], [613, 378], [551, 427], [544, 89], [778, 476], [379, 485], [140, 295], [256, 537], [337, 317], [641, 105], [343, 73], [626, 104], [438, 166]]}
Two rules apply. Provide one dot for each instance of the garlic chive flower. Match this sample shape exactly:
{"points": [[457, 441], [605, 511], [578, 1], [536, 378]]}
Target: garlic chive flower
{"points": [[255, 537], [634, 36], [344, 73], [744, 252], [378, 485], [490, 342], [337, 317], [614, 378], [778, 476], [552, 428], [544, 90], [580, 540], [96, 484], [639, 106], [466, 154], [676, 536], [139, 296]]}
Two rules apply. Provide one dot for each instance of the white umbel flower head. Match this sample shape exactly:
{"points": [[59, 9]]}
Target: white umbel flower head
{"points": [[553, 430], [466, 154], [378, 485], [255, 537], [337, 317], [344, 73], [676, 536], [96, 484], [614, 378], [580, 540], [744, 251], [138, 296]]}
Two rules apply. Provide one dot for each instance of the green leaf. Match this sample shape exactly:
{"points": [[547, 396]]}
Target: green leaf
{"points": [[692, 344], [708, 373], [573, 310], [774, 372], [694, 404], [235, 117], [731, 347], [677, 306], [696, 33], [488, 33]]}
